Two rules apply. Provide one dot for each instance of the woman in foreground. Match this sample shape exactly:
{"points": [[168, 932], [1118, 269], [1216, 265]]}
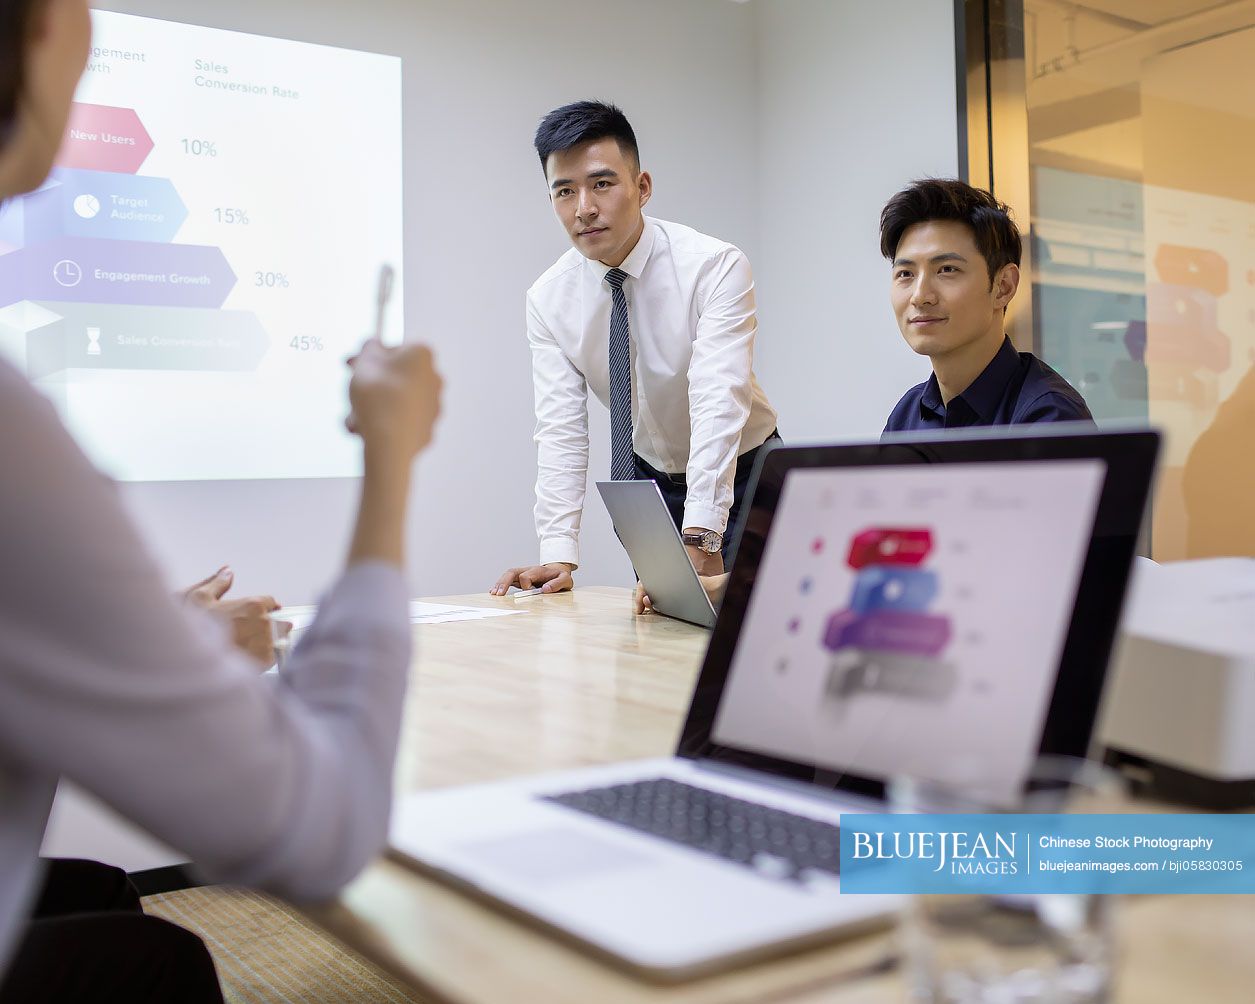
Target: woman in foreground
{"points": [[107, 679]]}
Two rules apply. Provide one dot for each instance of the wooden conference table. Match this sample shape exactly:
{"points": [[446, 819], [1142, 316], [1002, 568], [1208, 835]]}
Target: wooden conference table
{"points": [[579, 680]]}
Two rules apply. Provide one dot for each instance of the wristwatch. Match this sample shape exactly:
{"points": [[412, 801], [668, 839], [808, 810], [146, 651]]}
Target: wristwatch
{"points": [[709, 541]]}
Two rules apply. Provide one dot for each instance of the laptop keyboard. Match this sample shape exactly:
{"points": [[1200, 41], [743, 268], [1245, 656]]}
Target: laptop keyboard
{"points": [[773, 842]]}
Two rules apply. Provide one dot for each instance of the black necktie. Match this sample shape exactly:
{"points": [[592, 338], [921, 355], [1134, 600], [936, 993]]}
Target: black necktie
{"points": [[622, 463]]}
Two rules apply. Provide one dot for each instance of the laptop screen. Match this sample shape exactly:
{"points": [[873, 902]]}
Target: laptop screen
{"points": [[911, 618]]}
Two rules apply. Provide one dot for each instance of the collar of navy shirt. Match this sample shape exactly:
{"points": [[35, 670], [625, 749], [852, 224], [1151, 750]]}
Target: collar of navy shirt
{"points": [[985, 393]]}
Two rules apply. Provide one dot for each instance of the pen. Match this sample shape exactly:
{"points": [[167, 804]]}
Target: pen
{"points": [[526, 592], [382, 296]]}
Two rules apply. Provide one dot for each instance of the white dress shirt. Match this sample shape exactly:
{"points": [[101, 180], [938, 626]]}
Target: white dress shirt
{"points": [[696, 405], [108, 680]]}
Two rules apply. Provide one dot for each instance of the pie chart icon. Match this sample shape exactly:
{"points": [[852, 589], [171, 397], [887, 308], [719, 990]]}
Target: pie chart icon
{"points": [[87, 206]]}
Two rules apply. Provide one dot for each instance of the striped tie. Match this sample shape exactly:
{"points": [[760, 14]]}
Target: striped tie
{"points": [[622, 463]]}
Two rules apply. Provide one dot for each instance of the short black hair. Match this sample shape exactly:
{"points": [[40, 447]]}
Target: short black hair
{"points": [[584, 122], [928, 199]]}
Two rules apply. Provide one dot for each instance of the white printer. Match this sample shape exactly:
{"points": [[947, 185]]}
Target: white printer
{"points": [[1179, 710]]}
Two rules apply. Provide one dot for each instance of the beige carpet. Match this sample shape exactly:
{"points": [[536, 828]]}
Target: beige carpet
{"points": [[267, 953]]}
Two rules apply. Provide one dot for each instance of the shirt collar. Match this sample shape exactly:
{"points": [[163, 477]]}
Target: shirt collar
{"points": [[634, 263], [985, 393], [930, 399]]}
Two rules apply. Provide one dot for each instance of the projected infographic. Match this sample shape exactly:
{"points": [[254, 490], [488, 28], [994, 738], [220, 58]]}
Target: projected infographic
{"points": [[187, 284], [904, 618]]}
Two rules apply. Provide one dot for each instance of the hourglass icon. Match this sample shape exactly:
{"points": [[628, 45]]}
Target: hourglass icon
{"points": [[93, 341]]}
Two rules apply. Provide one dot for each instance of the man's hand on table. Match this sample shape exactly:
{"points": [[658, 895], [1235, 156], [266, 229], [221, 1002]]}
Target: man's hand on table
{"points": [[554, 577], [713, 584]]}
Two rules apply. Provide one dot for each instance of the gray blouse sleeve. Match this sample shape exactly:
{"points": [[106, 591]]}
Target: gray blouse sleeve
{"points": [[107, 679]]}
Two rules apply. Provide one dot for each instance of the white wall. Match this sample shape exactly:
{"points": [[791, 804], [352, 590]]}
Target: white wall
{"points": [[780, 125], [478, 76], [855, 100]]}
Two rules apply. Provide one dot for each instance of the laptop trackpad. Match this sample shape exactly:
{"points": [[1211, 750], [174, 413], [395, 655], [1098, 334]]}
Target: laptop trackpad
{"points": [[553, 854]]}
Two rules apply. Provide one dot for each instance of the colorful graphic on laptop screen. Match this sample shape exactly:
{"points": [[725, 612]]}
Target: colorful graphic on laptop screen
{"points": [[911, 617], [887, 640]]}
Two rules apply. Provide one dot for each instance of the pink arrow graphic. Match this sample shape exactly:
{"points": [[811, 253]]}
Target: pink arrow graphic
{"points": [[103, 138]]}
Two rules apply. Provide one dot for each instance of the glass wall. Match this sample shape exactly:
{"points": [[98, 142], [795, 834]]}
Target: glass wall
{"points": [[1140, 185]]}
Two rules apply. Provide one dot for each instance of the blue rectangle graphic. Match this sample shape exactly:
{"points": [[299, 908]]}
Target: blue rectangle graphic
{"points": [[1044, 853]]}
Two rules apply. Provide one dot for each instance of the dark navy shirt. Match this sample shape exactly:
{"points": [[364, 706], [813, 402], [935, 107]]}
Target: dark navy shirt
{"points": [[1016, 388]]}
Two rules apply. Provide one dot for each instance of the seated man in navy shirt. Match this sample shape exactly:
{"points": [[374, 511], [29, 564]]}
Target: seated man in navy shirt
{"points": [[956, 266]]}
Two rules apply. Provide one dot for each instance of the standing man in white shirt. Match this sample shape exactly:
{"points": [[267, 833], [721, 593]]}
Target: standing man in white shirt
{"points": [[658, 321]]}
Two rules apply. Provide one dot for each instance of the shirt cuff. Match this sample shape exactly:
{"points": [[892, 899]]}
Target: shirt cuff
{"points": [[710, 517], [368, 598], [560, 549], [361, 632]]}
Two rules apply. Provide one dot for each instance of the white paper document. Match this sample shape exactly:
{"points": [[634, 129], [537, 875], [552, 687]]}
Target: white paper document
{"points": [[420, 613], [443, 613]]}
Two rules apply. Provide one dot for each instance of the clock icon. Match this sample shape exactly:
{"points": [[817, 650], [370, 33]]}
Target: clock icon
{"points": [[67, 272]]}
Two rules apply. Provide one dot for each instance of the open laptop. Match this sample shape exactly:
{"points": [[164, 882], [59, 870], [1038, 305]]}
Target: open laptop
{"points": [[648, 533], [895, 609]]}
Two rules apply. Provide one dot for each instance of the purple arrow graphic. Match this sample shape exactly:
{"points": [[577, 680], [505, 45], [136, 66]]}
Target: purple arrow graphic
{"points": [[133, 272], [891, 630], [10, 279], [12, 225]]}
